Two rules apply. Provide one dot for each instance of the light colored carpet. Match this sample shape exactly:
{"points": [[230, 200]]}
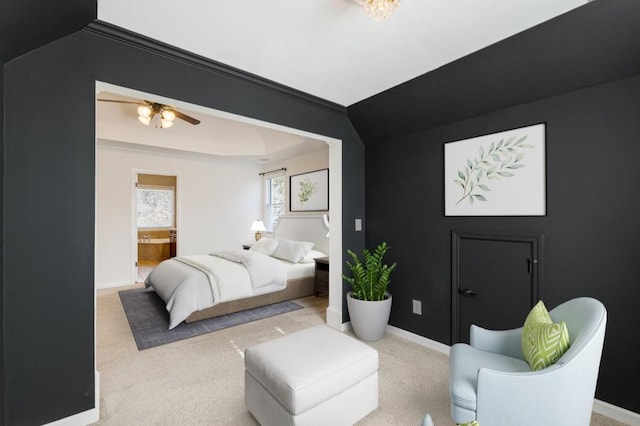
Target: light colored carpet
{"points": [[199, 381]]}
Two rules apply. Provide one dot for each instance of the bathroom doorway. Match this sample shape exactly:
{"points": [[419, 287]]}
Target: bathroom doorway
{"points": [[155, 220]]}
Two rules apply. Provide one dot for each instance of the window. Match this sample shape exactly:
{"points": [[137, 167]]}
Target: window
{"points": [[155, 207], [274, 199]]}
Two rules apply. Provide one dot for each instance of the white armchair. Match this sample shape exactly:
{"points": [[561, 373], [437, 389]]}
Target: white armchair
{"points": [[491, 382]]}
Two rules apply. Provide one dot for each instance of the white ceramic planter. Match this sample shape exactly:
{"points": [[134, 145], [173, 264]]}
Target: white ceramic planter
{"points": [[369, 319]]}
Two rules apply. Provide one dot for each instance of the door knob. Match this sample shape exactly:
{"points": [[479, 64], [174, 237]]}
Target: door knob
{"points": [[467, 292]]}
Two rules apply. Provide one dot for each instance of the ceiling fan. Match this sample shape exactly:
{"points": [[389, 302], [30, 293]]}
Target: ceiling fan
{"points": [[147, 110]]}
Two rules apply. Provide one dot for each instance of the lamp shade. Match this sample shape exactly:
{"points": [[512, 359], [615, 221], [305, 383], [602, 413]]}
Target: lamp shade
{"points": [[168, 115], [258, 226], [144, 111]]}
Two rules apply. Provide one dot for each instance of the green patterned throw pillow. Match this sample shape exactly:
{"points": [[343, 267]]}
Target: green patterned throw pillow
{"points": [[472, 423], [543, 341]]}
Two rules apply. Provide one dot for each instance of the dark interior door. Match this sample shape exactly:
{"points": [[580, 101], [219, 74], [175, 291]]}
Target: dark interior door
{"points": [[496, 280]]}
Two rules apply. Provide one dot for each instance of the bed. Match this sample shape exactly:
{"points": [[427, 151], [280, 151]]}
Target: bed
{"points": [[274, 269]]}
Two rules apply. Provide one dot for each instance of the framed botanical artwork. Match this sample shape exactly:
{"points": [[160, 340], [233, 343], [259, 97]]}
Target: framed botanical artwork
{"points": [[309, 191], [500, 174]]}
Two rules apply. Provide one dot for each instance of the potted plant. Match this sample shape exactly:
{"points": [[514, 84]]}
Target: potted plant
{"points": [[368, 302]]}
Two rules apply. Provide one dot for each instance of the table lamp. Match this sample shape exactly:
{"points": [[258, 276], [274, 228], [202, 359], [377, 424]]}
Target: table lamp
{"points": [[258, 227]]}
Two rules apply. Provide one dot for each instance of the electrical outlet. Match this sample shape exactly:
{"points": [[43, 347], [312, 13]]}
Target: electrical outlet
{"points": [[358, 225], [417, 307]]}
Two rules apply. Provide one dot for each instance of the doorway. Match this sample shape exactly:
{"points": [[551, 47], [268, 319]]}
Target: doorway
{"points": [[127, 250], [496, 279], [334, 311], [155, 225]]}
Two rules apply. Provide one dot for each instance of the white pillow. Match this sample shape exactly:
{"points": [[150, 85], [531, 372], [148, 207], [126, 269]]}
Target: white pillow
{"points": [[265, 246], [293, 251], [312, 255]]}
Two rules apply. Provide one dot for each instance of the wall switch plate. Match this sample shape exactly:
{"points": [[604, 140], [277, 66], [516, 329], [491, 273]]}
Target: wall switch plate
{"points": [[358, 224], [417, 307]]}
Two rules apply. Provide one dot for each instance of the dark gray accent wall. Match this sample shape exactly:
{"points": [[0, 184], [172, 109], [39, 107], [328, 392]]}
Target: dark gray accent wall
{"points": [[50, 195], [591, 229], [2, 379], [592, 44], [28, 24]]}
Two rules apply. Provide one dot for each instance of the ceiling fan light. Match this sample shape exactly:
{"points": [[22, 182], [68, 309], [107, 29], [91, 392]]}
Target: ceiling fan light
{"points": [[144, 120], [166, 123], [168, 115], [379, 10], [144, 111]]}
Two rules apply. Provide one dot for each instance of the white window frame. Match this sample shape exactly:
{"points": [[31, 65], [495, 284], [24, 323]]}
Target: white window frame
{"points": [[266, 196]]}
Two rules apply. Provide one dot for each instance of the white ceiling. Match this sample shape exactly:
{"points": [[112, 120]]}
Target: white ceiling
{"points": [[219, 134], [331, 48]]}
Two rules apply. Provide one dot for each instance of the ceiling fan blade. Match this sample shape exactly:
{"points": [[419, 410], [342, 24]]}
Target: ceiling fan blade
{"points": [[157, 108], [186, 118], [120, 102]]}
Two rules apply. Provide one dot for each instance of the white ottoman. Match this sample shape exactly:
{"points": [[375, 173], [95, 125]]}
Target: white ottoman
{"points": [[316, 376]]}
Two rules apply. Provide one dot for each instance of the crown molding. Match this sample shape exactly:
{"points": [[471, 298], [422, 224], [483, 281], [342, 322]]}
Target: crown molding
{"points": [[130, 38]]}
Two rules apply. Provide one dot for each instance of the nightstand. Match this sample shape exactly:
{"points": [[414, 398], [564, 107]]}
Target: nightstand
{"points": [[321, 284]]}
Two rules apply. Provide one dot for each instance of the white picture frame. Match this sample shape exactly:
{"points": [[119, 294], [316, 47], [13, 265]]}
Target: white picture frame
{"points": [[499, 174]]}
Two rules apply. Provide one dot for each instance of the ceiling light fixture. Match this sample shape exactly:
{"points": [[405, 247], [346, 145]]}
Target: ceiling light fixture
{"points": [[144, 114], [167, 119], [379, 10], [147, 113], [163, 114]]}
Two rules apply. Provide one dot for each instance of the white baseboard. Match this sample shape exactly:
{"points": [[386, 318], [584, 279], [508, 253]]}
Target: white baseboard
{"points": [[613, 411], [616, 413], [80, 419], [334, 318], [86, 417], [412, 337], [420, 340], [346, 326]]}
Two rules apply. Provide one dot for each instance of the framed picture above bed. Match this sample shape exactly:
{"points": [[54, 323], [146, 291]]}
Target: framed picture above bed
{"points": [[309, 192]]}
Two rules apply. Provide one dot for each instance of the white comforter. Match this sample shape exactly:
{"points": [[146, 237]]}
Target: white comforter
{"points": [[218, 277]]}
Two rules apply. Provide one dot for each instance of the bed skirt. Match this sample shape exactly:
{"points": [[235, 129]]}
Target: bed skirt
{"points": [[296, 288]]}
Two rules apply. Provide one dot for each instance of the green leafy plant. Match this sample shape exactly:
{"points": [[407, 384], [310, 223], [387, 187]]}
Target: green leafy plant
{"points": [[371, 277], [307, 188], [499, 161]]}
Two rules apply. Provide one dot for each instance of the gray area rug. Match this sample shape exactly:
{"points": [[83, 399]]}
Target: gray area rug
{"points": [[149, 319]]}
